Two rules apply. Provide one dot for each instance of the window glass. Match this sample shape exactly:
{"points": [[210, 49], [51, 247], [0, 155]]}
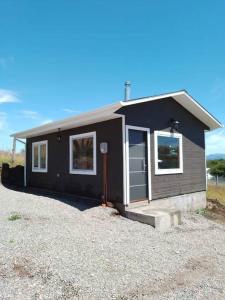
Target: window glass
{"points": [[168, 152], [43, 156], [39, 156], [35, 156], [83, 154]]}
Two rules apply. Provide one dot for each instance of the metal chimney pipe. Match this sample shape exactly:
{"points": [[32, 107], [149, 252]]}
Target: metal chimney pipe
{"points": [[127, 90]]}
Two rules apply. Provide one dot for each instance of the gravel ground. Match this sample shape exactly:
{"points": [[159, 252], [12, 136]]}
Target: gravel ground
{"points": [[60, 251]]}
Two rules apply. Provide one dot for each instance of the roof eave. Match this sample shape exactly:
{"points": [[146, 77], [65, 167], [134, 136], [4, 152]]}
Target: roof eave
{"points": [[99, 115], [109, 112], [181, 96]]}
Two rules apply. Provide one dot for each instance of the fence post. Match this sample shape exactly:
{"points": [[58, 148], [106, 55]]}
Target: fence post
{"points": [[216, 179], [13, 150]]}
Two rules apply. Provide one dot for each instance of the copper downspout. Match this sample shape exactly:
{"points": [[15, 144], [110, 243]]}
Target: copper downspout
{"points": [[105, 180]]}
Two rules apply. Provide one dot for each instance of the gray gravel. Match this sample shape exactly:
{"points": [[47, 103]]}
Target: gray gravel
{"points": [[59, 251]]}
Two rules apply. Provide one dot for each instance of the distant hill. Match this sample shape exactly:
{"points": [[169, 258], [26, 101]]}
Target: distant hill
{"points": [[216, 156]]}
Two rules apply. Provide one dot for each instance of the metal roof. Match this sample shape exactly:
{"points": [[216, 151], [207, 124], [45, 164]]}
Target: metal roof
{"points": [[110, 112]]}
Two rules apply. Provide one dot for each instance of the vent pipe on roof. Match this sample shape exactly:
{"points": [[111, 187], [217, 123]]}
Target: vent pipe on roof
{"points": [[127, 91]]}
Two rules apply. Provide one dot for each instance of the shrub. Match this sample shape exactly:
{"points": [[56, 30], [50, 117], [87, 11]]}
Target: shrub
{"points": [[6, 157], [201, 211], [14, 217]]}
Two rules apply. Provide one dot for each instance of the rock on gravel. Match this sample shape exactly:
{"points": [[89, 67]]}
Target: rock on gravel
{"points": [[60, 250]]}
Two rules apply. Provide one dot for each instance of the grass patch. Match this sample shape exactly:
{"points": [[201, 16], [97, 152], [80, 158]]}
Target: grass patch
{"points": [[201, 211], [216, 203], [14, 217], [216, 192]]}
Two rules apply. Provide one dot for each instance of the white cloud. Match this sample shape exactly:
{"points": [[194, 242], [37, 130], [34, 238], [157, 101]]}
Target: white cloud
{"points": [[215, 141], [71, 111], [8, 96], [34, 115], [30, 114], [46, 121]]}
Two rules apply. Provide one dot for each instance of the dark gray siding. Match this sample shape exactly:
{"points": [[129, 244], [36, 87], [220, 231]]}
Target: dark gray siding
{"points": [[156, 115], [84, 185]]}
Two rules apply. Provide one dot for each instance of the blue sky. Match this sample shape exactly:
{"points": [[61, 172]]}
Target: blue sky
{"points": [[59, 58]]}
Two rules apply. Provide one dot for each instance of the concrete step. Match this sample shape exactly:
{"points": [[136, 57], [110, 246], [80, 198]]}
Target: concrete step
{"points": [[137, 204], [160, 219]]}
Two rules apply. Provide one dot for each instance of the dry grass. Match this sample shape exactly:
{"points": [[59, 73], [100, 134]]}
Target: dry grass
{"points": [[216, 192], [6, 157]]}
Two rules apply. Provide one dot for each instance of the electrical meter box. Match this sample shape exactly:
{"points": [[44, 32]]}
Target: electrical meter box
{"points": [[104, 148]]}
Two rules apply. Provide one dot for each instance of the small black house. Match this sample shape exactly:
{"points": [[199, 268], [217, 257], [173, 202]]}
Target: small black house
{"points": [[155, 152]]}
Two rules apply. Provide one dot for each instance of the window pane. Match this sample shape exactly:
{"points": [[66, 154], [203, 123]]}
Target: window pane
{"points": [[35, 156], [168, 152], [83, 154], [43, 156]]}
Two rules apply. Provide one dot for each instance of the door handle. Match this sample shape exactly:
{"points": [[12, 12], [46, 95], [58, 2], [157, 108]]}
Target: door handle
{"points": [[144, 165]]}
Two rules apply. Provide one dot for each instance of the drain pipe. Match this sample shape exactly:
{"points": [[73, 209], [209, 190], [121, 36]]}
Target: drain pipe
{"points": [[104, 151], [13, 150]]}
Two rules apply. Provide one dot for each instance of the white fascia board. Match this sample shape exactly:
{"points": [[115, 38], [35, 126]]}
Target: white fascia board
{"points": [[108, 112], [184, 99], [198, 110], [99, 115], [147, 99]]}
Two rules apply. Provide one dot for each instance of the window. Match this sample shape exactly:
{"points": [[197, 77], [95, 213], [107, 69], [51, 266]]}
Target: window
{"points": [[39, 156], [168, 153], [83, 154]]}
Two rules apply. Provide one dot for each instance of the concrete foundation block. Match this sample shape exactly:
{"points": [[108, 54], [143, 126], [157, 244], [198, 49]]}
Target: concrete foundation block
{"points": [[160, 219], [184, 203]]}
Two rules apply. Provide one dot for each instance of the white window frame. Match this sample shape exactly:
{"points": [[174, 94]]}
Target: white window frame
{"points": [[81, 171], [39, 169], [168, 171]]}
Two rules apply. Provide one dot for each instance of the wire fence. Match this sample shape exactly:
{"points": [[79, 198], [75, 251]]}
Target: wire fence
{"points": [[220, 181]]}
